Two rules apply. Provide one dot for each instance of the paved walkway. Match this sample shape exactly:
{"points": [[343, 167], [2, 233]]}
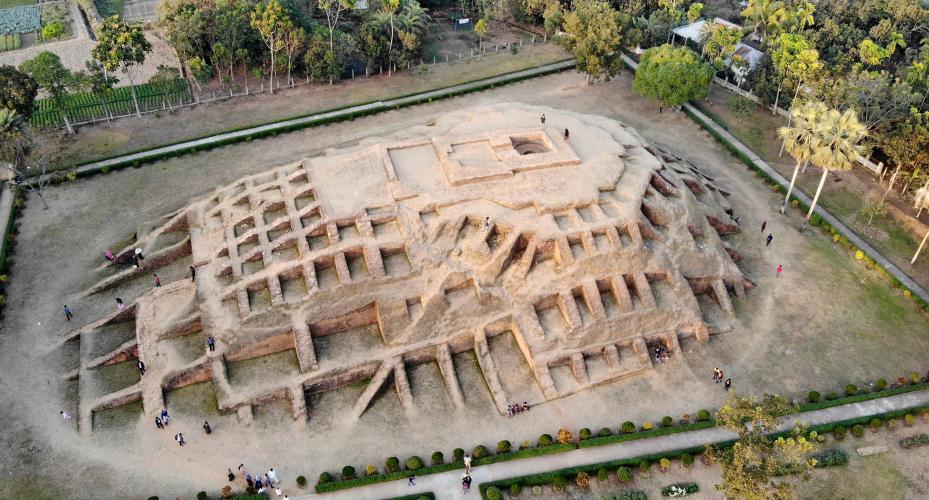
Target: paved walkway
{"points": [[306, 121], [447, 484]]}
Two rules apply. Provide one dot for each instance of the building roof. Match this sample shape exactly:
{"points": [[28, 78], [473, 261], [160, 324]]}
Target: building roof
{"points": [[693, 31]]}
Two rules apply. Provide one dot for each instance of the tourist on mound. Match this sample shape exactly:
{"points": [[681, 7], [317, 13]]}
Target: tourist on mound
{"points": [[207, 428], [231, 476]]}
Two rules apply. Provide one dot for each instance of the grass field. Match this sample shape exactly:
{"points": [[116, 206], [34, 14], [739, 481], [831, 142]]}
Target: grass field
{"points": [[5, 4]]}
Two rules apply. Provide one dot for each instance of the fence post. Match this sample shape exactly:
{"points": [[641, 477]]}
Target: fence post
{"points": [[214, 95], [433, 58], [459, 55], [472, 52], [353, 73], [246, 88], [380, 70], [533, 39], [366, 71], [545, 38], [446, 57], [520, 42], [496, 48]]}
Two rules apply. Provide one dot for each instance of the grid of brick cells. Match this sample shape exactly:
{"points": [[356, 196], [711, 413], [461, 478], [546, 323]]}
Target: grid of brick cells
{"points": [[589, 252]]}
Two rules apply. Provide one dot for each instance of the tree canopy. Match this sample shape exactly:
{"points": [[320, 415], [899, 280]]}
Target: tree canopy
{"points": [[17, 91], [593, 34], [672, 75]]}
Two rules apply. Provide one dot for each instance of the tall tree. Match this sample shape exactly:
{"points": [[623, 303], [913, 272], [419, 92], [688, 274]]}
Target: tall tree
{"points": [[749, 467], [838, 138], [764, 17], [122, 46], [720, 42], [908, 143], [271, 22], [593, 35], [46, 69], [17, 91], [671, 75], [14, 143], [481, 29], [794, 61], [799, 138], [389, 9], [294, 41]]}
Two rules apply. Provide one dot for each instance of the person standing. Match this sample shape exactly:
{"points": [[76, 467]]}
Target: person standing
{"points": [[273, 475], [248, 480], [179, 438], [141, 366], [780, 269], [720, 378], [764, 225], [230, 476], [412, 480], [165, 418], [206, 427], [728, 383], [467, 462], [211, 343], [119, 304], [158, 423], [542, 119], [157, 281], [193, 274], [770, 237], [566, 134], [68, 314], [109, 255], [715, 374]]}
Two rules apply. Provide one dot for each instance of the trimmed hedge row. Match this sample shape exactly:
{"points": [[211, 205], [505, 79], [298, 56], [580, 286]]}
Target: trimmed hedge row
{"points": [[435, 469], [680, 489], [620, 438], [819, 405], [326, 117], [915, 441], [417, 496]]}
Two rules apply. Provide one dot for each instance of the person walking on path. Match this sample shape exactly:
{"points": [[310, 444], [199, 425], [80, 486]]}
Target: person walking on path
{"points": [[179, 438], [720, 377], [206, 427], [780, 269], [248, 480], [770, 237], [157, 281], [258, 484], [64, 416], [467, 462], [211, 343], [109, 255], [716, 373], [728, 383], [230, 476], [273, 475], [165, 418], [193, 274], [119, 304], [158, 423], [542, 119], [412, 480], [566, 134], [764, 225], [141, 366], [68, 314]]}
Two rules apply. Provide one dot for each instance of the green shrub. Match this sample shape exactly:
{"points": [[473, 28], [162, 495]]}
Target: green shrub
{"points": [[480, 451], [813, 397], [201, 495], [348, 472], [324, 478], [458, 455], [392, 464], [830, 458], [504, 446], [832, 396], [838, 432], [858, 430], [494, 493], [414, 463], [630, 495], [605, 432], [667, 421], [438, 458], [851, 390], [914, 441], [152, 498], [301, 481], [52, 31], [644, 466], [881, 384], [687, 459], [627, 428], [559, 482], [679, 489], [909, 419], [546, 440], [370, 470], [876, 423], [584, 434], [703, 416], [515, 489], [603, 475], [647, 426], [624, 474]]}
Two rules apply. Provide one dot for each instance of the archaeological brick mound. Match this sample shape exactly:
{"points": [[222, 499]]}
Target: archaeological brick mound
{"points": [[590, 252]]}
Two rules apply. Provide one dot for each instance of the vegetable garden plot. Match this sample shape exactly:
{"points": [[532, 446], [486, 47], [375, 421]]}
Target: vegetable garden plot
{"points": [[87, 106], [22, 19]]}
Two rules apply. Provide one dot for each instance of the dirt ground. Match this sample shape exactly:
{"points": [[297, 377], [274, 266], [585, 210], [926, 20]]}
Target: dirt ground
{"points": [[895, 235], [826, 322], [131, 134]]}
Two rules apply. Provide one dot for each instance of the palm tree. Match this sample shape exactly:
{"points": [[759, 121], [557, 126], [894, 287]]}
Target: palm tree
{"points": [[836, 146], [414, 18], [799, 139], [764, 16]]}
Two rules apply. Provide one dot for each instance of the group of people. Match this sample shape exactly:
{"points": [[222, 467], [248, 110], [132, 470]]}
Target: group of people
{"points": [[719, 377], [567, 134], [515, 408], [260, 483], [661, 354]]}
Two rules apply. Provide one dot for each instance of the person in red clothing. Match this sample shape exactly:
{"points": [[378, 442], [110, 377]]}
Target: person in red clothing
{"points": [[780, 269]]}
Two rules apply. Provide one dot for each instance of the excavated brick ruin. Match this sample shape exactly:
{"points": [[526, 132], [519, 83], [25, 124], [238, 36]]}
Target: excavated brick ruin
{"points": [[480, 224]]}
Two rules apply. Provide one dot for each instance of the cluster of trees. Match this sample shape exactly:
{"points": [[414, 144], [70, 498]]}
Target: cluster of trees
{"points": [[267, 39]]}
